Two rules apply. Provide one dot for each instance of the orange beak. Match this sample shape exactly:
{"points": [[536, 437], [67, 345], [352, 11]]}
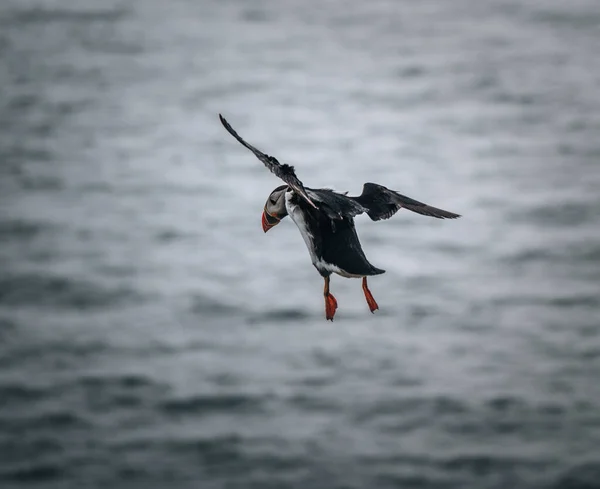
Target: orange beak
{"points": [[268, 221]]}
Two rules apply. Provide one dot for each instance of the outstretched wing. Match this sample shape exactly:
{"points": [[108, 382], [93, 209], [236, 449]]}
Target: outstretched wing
{"points": [[285, 172], [383, 203]]}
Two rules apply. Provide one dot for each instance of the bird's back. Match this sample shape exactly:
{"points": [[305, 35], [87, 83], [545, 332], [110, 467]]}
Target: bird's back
{"points": [[332, 243], [341, 247]]}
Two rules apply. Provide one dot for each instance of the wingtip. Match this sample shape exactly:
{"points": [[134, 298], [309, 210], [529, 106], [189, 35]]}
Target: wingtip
{"points": [[228, 127], [442, 214]]}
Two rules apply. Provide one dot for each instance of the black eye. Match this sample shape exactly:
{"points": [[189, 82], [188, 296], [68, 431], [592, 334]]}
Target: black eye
{"points": [[272, 200]]}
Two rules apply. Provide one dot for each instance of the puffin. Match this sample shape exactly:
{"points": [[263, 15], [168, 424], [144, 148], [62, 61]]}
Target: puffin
{"points": [[325, 219]]}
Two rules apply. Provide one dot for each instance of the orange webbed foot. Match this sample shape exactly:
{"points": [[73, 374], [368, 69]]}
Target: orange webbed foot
{"points": [[370, 299], [330, 302], [330, 306]]}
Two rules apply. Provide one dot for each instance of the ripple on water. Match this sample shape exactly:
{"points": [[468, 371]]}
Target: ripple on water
{"points": [[120, 391], [41, 421], [490, 465], [585, 475], [307, 402], [21, 392], [48, 15], [568, 214], [282, 316], [256, 462], [126, 381], [213, 403], [407, 414], [22, 230], [8, 330], [35, 472], [204, 305], [37, 289]]}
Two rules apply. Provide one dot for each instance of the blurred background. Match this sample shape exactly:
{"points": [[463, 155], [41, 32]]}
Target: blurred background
{"points": [[152, 336]]}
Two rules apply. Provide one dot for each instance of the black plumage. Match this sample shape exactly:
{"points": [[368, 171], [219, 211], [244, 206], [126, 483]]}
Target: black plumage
{"points": [[383, 203], [334, 240]]}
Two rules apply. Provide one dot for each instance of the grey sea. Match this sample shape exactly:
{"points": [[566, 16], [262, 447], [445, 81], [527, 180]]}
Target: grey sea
{"points": [[152, 336]]}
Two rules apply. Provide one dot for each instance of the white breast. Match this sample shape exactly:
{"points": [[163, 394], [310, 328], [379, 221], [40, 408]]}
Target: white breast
{"points": [[298, 217]]}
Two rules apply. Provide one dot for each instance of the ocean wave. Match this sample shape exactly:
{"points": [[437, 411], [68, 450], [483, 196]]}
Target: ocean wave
{"points": [[565, 215], [35, 472], [46, 15], [22, 229], [204, 305], [279, 316], [584, 475], [39, 290], [126, 381], [482, 464], [213, 403], [127, 391], [411, 412], [39, 421]]}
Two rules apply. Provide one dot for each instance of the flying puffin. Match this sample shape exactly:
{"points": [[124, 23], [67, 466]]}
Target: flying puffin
{"points": [[325, 219]]}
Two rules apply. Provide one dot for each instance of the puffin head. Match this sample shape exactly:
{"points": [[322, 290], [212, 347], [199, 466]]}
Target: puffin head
{"points": [[274, 210]]}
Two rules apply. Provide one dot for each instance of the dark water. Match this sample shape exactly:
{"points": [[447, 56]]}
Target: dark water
{"points": [[152, 336]]}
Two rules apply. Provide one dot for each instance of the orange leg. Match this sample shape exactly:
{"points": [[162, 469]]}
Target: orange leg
{"points": [[330, 302], [370, 300]]}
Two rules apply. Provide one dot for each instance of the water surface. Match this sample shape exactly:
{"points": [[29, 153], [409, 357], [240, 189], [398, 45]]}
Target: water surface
{"points": [[152, 336]]}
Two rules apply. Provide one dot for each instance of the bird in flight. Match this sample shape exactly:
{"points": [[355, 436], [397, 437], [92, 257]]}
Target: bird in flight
{"points": [[325, 219]]}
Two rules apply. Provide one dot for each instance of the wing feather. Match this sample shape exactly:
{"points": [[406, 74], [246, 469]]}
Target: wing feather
{"points": [[283, 171], [383, 203]]}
